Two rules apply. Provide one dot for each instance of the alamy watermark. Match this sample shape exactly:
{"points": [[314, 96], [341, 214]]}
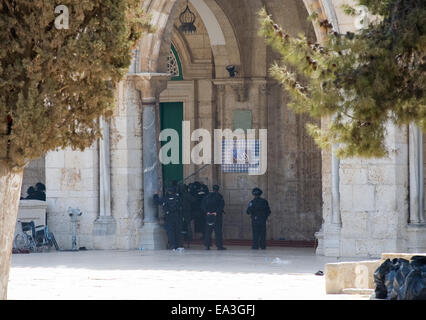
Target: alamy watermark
{"points": [[63, 19], [362, 17], [236, 151]]}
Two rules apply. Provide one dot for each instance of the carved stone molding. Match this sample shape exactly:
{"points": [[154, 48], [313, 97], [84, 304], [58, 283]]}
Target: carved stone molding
{"points": [[239, 86], [150, 84], [241, 91]]}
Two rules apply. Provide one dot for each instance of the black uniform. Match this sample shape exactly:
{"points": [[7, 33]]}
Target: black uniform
{"points": [[259, 211], [172, 217], [213, 202], [199, 191], [188, 201]]}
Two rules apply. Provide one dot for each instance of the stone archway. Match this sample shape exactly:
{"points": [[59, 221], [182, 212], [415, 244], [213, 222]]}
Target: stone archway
{"points": [[155, 47], [164, 13]]}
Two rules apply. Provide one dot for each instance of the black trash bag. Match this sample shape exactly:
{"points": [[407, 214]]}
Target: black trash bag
{"points": [[415, 285], [415, 282], [379, 279], [390, 277], [398, 291], [419, 262]]}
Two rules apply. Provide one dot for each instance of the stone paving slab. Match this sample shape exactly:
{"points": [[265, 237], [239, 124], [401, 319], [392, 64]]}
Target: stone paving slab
{"points": [[195, 274]]}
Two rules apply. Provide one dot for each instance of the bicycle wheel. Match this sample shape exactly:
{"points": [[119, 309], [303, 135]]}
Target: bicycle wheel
{"points": [[21, 242]]}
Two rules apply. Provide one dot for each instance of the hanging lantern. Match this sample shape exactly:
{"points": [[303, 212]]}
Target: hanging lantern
{"points": [[187, 19]]}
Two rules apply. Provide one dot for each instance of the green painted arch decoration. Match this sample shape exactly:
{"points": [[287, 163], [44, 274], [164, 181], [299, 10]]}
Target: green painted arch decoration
{"points": [[174, 66]]}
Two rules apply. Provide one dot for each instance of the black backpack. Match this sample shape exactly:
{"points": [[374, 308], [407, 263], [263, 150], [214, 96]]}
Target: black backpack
{"points": [[172, 204]]}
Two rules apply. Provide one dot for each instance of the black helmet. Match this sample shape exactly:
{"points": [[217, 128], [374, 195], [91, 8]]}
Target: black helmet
{"points": [[203, 189], [192, 188], [216, 187], [40, 187], [182, 188], [257, 192], [171, 189], [31, 190]]}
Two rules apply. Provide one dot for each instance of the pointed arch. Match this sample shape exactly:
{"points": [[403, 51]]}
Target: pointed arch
{"points": [[174, 66], [163, 15]]}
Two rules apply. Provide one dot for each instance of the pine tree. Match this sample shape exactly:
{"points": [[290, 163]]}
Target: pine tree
{"points": [[364, 81], [55, 83]]}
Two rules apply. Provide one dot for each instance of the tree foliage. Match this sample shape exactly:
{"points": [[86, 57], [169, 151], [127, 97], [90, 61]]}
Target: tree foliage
{"points": [[56, 83], [363, 80]]}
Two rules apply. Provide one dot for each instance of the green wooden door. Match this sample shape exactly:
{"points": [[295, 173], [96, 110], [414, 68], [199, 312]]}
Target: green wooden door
{"points": [[171, 114]]}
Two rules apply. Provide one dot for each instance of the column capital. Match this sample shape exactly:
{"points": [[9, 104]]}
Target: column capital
{"points": [[150, 84]]}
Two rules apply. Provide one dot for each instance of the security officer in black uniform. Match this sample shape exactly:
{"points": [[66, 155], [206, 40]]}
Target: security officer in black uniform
{"points": [[172, 208], [187, 200], [213, 205], [199, 191], [259, 211]]}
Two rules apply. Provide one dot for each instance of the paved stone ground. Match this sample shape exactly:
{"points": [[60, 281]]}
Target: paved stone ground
{"points": [[195, 274]]}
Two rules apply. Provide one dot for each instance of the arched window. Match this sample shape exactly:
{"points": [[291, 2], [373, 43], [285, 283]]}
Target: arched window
{"points": [[173, 64]]}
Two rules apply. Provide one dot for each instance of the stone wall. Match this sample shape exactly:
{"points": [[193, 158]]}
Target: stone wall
{"points": [[374, 205], [126, 168], [374, 195], [72, 180]]}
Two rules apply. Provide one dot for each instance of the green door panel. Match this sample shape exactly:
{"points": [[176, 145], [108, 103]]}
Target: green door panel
{"points": [[171, 114]]}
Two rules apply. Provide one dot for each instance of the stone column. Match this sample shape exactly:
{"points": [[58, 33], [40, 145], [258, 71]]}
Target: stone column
{"points": [[220, 124], [416, 229], [334, 230], [263, 124], [416, 175], [104, 227], [330, 232], [335, 189], [150, 85]]}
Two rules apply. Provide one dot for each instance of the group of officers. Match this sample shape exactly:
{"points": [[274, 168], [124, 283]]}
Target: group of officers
{"points": [[183, 204]]}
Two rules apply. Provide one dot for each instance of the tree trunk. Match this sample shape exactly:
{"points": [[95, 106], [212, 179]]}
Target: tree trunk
{"points": [[10, 191]]}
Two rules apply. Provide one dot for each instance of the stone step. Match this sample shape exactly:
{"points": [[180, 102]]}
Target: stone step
{"points": [[343, 275], [358, 291]]}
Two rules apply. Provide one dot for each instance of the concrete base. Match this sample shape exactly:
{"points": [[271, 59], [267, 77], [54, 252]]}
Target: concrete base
{"points": [[104, 229], [368, 292], [331, 240], [416, 237], [153, 236], [353, 275]]}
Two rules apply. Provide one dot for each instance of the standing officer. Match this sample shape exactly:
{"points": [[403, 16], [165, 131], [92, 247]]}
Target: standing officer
{"points": [[259, 211], [187, 201], [172, 216], [212, 206], [199, 191]]}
